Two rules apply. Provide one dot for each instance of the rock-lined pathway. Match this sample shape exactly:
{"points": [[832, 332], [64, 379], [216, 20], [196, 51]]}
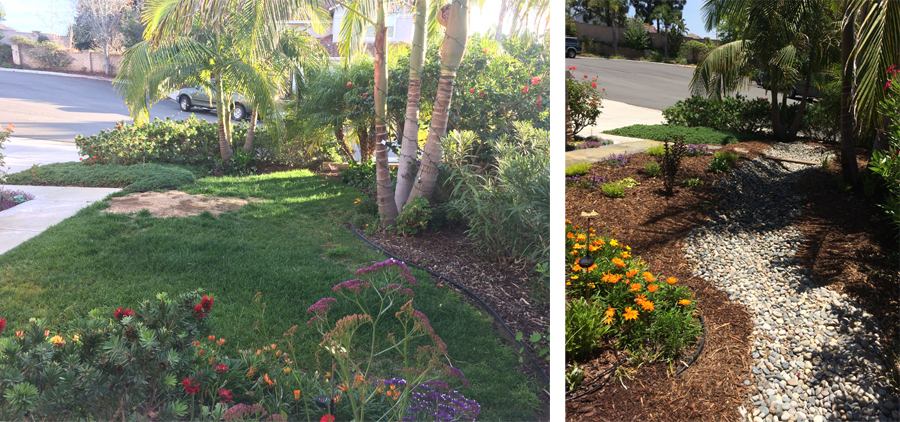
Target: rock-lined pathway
{"points": [[816, 354]]}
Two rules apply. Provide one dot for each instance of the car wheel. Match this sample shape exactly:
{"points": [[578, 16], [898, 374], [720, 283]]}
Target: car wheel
{"points": [[570, 53], [238, 113], [185, 102]]}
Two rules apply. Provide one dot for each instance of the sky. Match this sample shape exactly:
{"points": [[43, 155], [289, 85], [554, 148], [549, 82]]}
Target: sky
{"points": [[38, 15]]}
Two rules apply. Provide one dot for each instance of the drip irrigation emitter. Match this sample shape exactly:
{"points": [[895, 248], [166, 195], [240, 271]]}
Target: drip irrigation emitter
{"points": [[505, 332]]}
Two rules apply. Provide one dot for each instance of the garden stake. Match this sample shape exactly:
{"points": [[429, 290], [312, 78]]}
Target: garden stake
{"points": [[586, 261]]}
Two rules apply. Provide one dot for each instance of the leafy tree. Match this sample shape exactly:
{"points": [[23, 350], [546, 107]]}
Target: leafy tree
{"points": [[636, 36]]}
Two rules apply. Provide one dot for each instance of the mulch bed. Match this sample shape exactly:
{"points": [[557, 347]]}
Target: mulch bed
{"points": [[846, 249]]}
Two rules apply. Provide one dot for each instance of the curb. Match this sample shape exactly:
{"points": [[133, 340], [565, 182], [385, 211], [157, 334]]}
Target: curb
{"points": [[70, 75], [507, 335]]}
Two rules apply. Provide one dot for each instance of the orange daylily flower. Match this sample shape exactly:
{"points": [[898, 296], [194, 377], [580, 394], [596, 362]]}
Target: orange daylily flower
{"points": [[269, 381], [672, 280], [652, 288], [649, 277], [630, 314]]}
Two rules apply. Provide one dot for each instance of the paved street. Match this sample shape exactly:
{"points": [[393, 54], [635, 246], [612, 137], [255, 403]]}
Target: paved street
{"points": [[645, 84], [56, 108]]}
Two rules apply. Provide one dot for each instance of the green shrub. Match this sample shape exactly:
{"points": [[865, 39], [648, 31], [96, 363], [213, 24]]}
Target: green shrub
{"points": [[614, 190], [719, 165], [361, 175], [655, 150], [584, 327], [730, 157], [694, 51], [51, 56], [887, 163], [4, 136], [584, 102], [367, 223], [366, 206], [414, 218], [652, 168], [691, 135], [728, 114], [134, 178], [6, 54], [578, 169], [671, 162], [692, 182]]}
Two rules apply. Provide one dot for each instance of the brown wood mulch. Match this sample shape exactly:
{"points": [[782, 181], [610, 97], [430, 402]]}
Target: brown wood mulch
{"points": [[851, 254]]}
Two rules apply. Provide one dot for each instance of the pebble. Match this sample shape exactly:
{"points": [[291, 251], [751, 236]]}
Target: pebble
{"points": [[815, 354]]}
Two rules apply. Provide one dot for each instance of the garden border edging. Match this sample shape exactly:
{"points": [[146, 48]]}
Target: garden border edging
{"points": [[509, 335]]}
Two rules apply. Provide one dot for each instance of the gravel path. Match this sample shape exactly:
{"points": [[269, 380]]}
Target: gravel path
{"points": [[816, 354]]}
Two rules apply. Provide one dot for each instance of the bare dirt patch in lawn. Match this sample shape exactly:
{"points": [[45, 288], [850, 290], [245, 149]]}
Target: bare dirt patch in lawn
{"points": [[174, 204]]}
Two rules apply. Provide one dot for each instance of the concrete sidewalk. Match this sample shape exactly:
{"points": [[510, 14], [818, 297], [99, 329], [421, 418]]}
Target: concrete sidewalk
{"points": [[51, 204], [616, 115]]}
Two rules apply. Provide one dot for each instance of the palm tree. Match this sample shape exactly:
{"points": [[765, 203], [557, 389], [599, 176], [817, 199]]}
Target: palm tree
{"points": [[323, 102]]}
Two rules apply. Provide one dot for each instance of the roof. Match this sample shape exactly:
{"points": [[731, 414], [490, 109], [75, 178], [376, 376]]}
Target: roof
{"points": [[6, 28], [650, 28]]}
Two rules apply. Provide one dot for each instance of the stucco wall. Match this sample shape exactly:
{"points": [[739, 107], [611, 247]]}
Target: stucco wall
{"points": [[83, 61]]}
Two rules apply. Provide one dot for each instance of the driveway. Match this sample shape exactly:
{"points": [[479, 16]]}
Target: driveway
{"points": [[56, 107], [644, 84]]}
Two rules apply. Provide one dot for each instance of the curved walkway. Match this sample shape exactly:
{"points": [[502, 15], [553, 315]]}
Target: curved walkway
{"points": [[816, 354]]}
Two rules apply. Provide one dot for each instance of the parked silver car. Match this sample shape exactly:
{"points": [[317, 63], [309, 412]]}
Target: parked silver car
{"points": [[189, 98]]}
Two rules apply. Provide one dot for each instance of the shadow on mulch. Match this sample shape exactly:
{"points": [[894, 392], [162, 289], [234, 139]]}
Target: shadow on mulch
{"points": [[852, 248]]}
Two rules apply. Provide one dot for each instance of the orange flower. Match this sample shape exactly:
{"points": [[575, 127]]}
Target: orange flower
{"points": [[211, 338], [220, 342], [649, 277], [296, 394], [251, 372], [568, 221], [610, 312], [639, 299], [613, 242], [630, 314], [625, 255], [269, 381], [647, 305], [631, 273], [618, 262], [611, 278], [684, 302], [576, 267], [593, 248], [20, 334], [672, 280], [575, 252], [581, 237], [570, 235], [608, 321], [599, 242], [652, 288], [635, 287], [592, 268]]}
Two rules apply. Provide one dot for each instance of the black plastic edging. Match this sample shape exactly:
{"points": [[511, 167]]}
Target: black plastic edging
{"points": [[619, 362], [509, 334]]}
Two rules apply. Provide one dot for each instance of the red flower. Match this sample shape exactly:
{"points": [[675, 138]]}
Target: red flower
{"points": [[2, 324], [327, 418], [572, 68], [190, 386], [198, 308], [525, 89], [593, 84], [535, 80], [585, 76], [95, 157], [471, 90], [207, 303], [225, 395], [349, 84], [221, 368], [79, 158], [540, 99], [481, 95], [121, 312], [365, 94], [201, 352]]}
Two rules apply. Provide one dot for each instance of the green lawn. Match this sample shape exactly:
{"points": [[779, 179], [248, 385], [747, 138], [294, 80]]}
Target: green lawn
{"points": [[291, 247], [691, 135]]}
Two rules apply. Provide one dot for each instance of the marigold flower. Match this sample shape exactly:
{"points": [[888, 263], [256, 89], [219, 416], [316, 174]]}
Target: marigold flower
{"points": [[296, 394], [652, 288], [593, 248], [672, 280], [610, 311], [640, 298], [648, 277], [635, 286], [630, 314], [631, 273], [618, 262], [684, 302], [647, 305]]}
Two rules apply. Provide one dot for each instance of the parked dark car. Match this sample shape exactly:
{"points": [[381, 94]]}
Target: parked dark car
{"points": [[573, 47], [198, 97]]}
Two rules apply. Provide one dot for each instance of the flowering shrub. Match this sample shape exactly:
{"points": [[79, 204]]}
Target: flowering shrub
{"points": [[584, 101], [190, 141], [620, 160], [435, 401], [887, 163], [417, 350], [4, 136], [11, 198], [643, 311]]}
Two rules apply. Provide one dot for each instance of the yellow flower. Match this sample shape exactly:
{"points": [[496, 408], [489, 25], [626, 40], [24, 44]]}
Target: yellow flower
{"points": [[581, 237], [75, 338], [568, 283], [592, 285], [628, 248], [672, 280], [630, 314], [613, 242], [574, 277], [287, 370], [649, 277], [684, 302], [57, 340]]}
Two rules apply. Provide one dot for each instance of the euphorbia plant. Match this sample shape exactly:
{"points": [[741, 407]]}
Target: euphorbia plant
{"points": [[356, 350]]}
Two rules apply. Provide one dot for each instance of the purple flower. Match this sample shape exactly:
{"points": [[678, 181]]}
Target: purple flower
{"points": [[435, 401], [401, 267], [355, 285], [320, 308], [397, 288]]}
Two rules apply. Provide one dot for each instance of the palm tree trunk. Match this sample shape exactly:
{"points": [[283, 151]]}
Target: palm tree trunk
{"points": [[615, 38], [106, 55], [452, 50], [224, 122], [503, 6], [798, 119], [344, 145], [409, 147], [666, 44], [387, 208], [248, 143], [849, 169]]}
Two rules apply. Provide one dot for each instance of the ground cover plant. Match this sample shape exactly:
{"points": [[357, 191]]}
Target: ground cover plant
{"points": [[10, 198], [104, 261], [133, 178], [691, 135]]}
